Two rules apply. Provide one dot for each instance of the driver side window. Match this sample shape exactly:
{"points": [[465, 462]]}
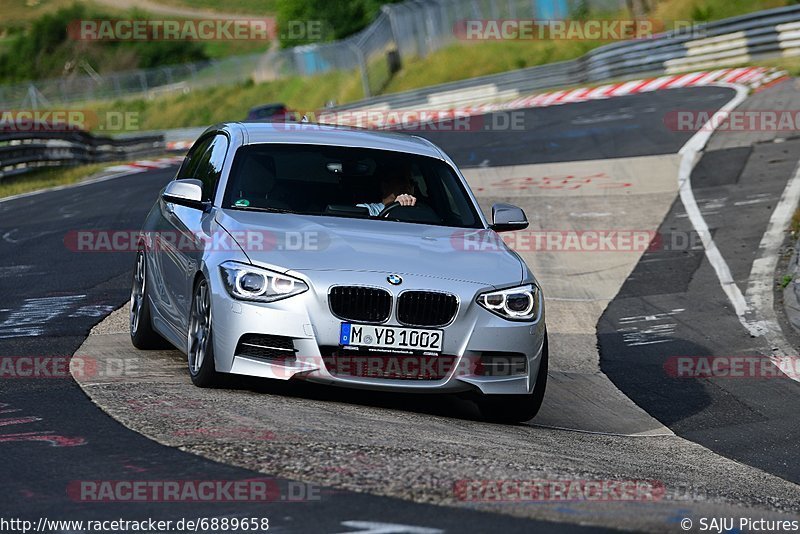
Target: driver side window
{"points": [[204, 162], [192, 159]]}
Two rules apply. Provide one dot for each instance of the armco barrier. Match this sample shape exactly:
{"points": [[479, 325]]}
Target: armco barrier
{"points": [[23, 151]]}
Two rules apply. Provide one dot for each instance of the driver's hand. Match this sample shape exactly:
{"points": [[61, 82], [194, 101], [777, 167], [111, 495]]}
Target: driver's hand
{"points": [[406, 200]]}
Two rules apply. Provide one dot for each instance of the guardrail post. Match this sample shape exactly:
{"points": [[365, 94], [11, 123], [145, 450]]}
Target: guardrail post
{"points": [[143, 81], [362, 66], [446, 32], [493, 9], [34, 100], [392, 24], [476, 11]]}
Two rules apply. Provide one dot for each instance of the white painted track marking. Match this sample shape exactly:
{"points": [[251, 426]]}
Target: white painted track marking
{"points": [[759, 285], [374, 527], [756, 315], [689, 153]]}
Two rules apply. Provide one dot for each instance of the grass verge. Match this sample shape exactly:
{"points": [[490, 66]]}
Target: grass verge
{"points": [[46, 178], [231, 102], [708, 10], [258, 8], [468, 60], [794, 226]]}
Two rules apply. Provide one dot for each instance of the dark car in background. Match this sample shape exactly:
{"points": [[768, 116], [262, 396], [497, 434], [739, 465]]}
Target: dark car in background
{"points": [[270, 113]]}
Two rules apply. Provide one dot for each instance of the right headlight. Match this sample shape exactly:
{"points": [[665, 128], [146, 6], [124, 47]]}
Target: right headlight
{"points": [[517, 303], [248, 282]]}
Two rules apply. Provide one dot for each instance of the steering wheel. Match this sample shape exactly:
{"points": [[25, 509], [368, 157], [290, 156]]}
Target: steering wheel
{"points": [[388, 209]]}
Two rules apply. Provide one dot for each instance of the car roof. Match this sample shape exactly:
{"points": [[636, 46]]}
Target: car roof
{"points": [[322, 134]]}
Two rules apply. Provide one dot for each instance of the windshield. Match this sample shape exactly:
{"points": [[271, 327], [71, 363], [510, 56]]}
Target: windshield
{"points": [[348, 182]]}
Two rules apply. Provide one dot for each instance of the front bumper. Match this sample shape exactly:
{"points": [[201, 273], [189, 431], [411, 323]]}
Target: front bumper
{"points": [[307, 319]]}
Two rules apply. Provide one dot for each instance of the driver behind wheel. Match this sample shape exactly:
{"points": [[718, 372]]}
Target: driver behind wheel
{"points": [[396, 186]]}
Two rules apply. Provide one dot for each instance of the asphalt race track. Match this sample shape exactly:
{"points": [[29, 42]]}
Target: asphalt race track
{"points": [[622, 127], [719, 447], [737, 186], [56, 435]]}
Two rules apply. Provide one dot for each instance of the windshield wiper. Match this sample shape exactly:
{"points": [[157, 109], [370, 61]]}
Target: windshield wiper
{"points": [[257, 208]]}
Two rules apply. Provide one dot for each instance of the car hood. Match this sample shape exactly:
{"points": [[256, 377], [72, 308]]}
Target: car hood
{"points": [[320, 243]]}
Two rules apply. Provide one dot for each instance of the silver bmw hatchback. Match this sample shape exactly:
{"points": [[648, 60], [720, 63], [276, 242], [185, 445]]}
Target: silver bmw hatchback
{"points": [[339, 256]]}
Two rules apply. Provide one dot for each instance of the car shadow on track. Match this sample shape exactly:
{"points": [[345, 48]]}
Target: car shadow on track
{"points": [[438, 404], [665, 379]]}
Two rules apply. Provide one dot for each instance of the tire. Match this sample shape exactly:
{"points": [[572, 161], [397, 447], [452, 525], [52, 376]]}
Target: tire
{"points": [[143, 336], [200, 349], [510, 409]]}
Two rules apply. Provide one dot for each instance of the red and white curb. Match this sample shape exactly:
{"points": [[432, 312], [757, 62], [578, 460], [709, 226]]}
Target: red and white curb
{"points": [[179, 145], [146, 165], [752, 77]]}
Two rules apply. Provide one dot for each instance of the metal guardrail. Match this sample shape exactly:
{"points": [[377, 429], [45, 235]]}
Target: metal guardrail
{"points": [[23, 151], [728, 42]]}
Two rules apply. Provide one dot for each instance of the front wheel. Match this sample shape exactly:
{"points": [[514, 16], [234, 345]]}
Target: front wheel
{"points": [[143, 336], [517, 408], [200, 343]]}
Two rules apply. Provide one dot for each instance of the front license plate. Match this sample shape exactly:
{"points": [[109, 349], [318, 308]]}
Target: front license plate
{"points": [[390, 337]]}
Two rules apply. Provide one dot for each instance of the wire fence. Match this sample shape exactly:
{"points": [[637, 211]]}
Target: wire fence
{"points": [[414, 28]]}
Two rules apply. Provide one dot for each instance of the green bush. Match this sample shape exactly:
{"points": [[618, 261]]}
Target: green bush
{"points": [[45, 48], [338, 19]]}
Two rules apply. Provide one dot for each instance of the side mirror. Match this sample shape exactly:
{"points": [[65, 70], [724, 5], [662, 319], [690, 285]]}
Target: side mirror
{"points": [[507, 218], [187, 193]]}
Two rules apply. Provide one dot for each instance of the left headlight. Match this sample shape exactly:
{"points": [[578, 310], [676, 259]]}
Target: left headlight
{"points": [[247, 282], [517, 303]]}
